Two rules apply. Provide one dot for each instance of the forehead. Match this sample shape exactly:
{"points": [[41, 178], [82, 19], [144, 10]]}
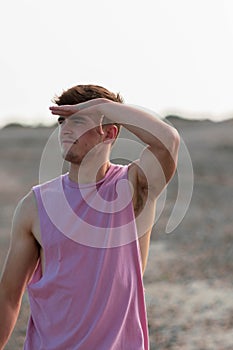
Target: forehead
{"points": [[78, 117], [75, 117]]}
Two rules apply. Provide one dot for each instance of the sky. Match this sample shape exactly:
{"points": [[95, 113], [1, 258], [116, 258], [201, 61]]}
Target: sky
{"points": [[170, 56]]}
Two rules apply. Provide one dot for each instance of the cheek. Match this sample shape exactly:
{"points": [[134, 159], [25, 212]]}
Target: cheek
{"points": [[81, 134], [90, 137]]}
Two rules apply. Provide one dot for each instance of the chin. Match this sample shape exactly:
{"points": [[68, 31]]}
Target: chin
{"points": [[72, 158]]}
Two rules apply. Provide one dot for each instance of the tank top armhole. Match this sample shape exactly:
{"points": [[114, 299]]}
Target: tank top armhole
{"points": [[39, 206], [37, 274], [137, 244]]}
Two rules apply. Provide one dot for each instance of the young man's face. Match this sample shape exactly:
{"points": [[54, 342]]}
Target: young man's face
{"points": [[78, 135]]}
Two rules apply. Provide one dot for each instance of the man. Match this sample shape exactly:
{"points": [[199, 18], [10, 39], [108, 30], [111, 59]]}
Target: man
{"points": [[80, 241]]}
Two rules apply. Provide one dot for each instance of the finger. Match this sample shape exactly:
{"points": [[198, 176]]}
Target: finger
{"points": [[62, 110], [63, 113]]}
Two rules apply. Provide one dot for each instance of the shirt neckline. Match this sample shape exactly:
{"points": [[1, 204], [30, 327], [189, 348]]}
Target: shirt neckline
{"points": [[67, 181]]}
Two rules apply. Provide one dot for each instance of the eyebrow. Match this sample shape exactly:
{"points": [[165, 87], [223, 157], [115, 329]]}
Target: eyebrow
{"points": [[75, 117]]}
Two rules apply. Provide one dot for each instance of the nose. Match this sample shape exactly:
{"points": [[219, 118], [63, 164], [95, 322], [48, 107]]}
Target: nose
{"points": [[65, 128]]}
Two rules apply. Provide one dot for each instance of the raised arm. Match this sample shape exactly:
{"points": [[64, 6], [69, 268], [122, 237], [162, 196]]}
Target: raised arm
{"points": [[157, 162], [19, 266]]}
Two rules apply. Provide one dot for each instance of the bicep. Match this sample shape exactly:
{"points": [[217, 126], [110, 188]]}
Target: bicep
{"points": [[155, 170], [22, 256]]}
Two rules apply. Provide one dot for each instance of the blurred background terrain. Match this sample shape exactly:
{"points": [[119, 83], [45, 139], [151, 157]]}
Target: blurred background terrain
{"points": [[189, 279]]}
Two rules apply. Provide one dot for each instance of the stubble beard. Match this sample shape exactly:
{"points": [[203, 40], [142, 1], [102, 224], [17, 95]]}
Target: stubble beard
{"points": [[71, 156]]}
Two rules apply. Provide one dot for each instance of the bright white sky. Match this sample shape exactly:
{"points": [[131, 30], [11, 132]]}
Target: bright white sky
{"points": [[166, 55]]}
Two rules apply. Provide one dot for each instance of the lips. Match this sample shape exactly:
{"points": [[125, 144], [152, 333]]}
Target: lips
{"points": [[68, 141]]}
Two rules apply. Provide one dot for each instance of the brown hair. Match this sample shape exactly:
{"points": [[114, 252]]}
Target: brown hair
{"points": [[82, 93]]}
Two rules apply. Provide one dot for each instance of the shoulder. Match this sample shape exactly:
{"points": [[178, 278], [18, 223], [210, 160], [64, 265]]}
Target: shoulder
{"points": [[27, 203], [25, 211], [49, 183]]}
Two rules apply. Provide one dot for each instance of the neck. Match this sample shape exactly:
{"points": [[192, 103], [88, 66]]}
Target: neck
{"points": [[88, 173]]}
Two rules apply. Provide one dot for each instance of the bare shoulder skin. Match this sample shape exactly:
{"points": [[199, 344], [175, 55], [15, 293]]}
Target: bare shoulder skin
{"points": [[24, 248], [20, 264]]}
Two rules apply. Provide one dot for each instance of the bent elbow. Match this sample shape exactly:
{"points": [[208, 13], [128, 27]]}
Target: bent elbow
{"points": [[171, 155], [174, 143]]}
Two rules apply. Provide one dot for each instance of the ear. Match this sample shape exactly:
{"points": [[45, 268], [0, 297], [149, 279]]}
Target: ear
{"points": [[110, 133]]}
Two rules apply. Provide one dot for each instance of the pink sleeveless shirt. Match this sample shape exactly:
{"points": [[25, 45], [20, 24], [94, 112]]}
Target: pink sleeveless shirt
{"points": [[90, 296]]}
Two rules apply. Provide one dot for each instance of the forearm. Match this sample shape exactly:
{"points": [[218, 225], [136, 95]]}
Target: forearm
{"points": [[8, 317], [150, 129]]}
